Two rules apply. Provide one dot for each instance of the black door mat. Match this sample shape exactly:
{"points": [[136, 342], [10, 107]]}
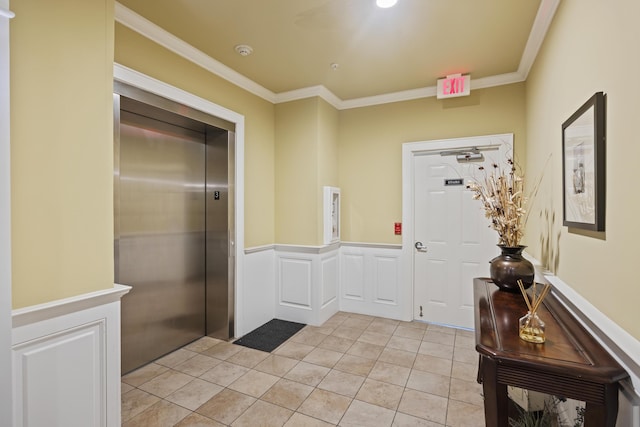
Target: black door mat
{"points": [[270, 335]]}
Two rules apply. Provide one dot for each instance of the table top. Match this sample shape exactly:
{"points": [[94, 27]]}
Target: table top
{"points": [[569, 350]]}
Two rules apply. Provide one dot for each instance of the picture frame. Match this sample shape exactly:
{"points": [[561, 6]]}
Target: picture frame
{"points": [[583, 166], [331, 215]]}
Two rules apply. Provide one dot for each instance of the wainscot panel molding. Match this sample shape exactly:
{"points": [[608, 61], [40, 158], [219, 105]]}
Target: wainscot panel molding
{"points": [[307, 282], [371, 281], [66, 361], [352, 276], [295, 281]]}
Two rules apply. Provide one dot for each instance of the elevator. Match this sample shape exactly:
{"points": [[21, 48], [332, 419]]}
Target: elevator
{"points": [[174, 224]]}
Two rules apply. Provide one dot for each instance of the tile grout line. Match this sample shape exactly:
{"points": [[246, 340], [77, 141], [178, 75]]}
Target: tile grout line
{"points": [[330, 368]]}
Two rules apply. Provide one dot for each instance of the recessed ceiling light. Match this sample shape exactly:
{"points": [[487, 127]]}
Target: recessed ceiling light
{"points": [[386, 3]]}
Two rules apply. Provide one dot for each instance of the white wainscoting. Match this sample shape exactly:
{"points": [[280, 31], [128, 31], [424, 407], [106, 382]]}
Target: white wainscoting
{"points": [[66, 361], [307, 283], [258, 299], [371, 281], [619, 343]]}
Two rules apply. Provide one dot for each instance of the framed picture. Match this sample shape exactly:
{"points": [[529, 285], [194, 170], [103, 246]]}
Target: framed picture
{"points": [[331, 215], [583, 166]]}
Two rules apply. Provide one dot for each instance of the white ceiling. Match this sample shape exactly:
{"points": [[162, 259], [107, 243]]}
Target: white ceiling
{"points": [[382, 55]]}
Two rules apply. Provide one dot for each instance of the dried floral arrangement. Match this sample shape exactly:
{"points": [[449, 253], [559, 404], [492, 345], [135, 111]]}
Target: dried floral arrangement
{"points": [[501, 191]]}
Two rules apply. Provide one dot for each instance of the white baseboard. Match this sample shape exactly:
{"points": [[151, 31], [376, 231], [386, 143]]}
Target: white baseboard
{"points": [[66, 361]]}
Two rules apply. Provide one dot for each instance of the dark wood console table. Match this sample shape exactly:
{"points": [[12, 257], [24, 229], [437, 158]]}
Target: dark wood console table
{"points": [[571, 363]]}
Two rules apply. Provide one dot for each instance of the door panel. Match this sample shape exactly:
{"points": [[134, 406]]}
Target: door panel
{"points": [[161, 237], [219, 292], [459, 243]]}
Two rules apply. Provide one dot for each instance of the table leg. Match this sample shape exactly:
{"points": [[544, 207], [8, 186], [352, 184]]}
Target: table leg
{"points": [[597, 415], [496, 400]]}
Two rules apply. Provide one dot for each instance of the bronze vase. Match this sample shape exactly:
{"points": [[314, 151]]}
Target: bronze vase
{"points": [[509, 266]]}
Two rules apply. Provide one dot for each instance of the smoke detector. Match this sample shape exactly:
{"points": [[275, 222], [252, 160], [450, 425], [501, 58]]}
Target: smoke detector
{"points": [[244, 49]]}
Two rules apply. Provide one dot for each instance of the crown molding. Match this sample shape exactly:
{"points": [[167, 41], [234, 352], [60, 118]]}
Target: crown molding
{"points": [[308, 92], [387, 98], [148, 29], [6, 13], [541, 24], [497, 80]]}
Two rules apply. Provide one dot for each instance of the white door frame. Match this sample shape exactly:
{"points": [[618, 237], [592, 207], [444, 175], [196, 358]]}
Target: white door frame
{"points": [[409, 150], [6, 396], [149, 84]]}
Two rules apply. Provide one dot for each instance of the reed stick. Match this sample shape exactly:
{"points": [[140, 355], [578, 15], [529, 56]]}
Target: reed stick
{"points": [[524, 294], [543, 294], [537, 299]]}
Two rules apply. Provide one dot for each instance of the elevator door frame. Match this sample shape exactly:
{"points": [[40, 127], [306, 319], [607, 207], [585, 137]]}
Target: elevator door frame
{"points": [[230, 139], [135, 79]]}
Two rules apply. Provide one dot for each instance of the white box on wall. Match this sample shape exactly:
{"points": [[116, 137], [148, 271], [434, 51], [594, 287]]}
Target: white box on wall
{"points": [[331, 215]]}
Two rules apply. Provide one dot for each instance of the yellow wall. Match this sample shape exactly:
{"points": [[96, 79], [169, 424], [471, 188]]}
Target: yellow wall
{"points": [[136, 52], [296, 172], [61, 142], [591, 47], [328, 119], [309, 144], [62, 168], [61, 149], [306, 161], [370, 150]]}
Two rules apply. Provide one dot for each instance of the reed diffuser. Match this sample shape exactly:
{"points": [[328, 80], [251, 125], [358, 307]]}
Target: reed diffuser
{"points": [[531, 327]]}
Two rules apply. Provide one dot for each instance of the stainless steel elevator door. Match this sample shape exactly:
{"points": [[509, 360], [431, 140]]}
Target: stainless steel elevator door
{"points": [[161, 247], [220, 239]]}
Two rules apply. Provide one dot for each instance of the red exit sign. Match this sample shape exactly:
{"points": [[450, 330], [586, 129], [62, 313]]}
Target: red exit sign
{"points": [[454, 85]]}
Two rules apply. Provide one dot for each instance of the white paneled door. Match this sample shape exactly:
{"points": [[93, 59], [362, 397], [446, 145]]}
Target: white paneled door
{"points": [[452, 239]]}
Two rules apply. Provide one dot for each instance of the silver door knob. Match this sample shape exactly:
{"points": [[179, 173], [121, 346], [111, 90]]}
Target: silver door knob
{"points": [[420, 247]]}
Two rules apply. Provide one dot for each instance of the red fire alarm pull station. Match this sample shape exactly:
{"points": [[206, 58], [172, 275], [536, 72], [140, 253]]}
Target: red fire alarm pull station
{"points": [[397, 228]]}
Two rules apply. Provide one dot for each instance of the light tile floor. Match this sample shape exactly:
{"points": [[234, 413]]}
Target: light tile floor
{"points": [[354, 370]]}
